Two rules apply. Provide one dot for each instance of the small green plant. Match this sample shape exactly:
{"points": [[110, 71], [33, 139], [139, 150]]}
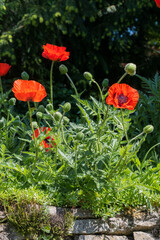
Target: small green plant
{"points": [[27, 217], [32, 219]]}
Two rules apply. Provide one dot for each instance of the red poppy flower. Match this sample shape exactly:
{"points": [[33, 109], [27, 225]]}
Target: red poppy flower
{"points": [[46, 143], [122, 96], [4, 68], [31, 90], [158, 3], [55, 53]]}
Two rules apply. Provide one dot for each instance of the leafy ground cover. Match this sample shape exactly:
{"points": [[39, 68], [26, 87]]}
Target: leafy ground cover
{"points": [[93, 162]]}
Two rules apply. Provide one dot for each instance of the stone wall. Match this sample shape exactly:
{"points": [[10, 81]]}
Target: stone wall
{"points": [[135, 225]]}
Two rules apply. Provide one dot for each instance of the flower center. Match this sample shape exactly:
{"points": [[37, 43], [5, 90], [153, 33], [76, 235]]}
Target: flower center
{"points": [[122, 99], [46, 140]]}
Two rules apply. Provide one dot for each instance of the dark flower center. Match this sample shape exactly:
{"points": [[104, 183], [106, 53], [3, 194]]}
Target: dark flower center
{"points": [[46, 140], [122, 99]]}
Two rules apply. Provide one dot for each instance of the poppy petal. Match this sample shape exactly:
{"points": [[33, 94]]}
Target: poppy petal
{"points": [[29, 90], [55, 53], [4, 68], [158, 3], [45, 143], [122, 96]]}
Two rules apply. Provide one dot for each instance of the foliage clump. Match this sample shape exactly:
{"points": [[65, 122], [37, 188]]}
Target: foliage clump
{"points": [[33, 220]]}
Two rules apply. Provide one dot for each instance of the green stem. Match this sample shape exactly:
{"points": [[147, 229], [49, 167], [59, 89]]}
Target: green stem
{"points": [[101, 127], [105, 117], [72, 84], [122, 156], [64, 140], [118, 164], [51, 81], [8, 113], [149, 151], [124, 126], [136, 137], [56, 156], [99, 91], [122, 77], [1, 88], [34, 139], [60, 122], [76, 157], [125, 160]]}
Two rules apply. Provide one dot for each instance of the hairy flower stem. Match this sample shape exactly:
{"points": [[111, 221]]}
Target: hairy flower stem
{"points": [[72, 84], [124, 126], [123, 76], [51, 81], [1, 88], [64, 140], [102, 99], [34, 139], [60, 122], [139, 135], [149, 151]]}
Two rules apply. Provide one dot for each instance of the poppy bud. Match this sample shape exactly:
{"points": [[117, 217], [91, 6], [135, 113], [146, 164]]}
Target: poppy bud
{"points": [[2, 122], [148, 129], [35, 125], [65, 120], [57, 116], [39, 115], [24, 75], [130, 68], [49, 107], [80, 136], [67, 107], [41, 109], [12, 101], [63, 69], [105, 82], [88, 76]]}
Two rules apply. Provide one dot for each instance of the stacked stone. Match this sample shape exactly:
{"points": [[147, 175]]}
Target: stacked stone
{"points": [[138, 225]]}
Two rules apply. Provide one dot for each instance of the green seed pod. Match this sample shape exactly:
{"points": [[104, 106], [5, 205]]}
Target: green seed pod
{"points": [[12, 101], [105, 82], [67, 107], [24, 75], [130, 68], [2, 122], [88, 76], [35, 125], [41, 109], [49, 107], [63, 69], [80, 136], [39, 115], [66, 120], [57, 116], [148, 129]]}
